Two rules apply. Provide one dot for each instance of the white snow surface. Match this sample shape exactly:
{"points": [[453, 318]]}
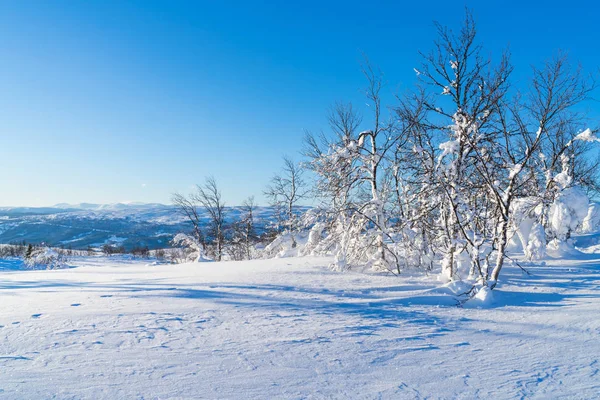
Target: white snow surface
{"points": [[290, 328], [587, 136]]}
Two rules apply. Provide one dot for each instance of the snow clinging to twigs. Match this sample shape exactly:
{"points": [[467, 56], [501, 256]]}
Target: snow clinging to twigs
{"points": [[587, 136]]}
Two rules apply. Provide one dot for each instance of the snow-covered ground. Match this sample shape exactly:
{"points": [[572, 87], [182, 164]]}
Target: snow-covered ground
{"points": [[291, 328]]}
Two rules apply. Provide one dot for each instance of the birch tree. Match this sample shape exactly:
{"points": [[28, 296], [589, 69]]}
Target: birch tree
{"points": [[286, 190]]}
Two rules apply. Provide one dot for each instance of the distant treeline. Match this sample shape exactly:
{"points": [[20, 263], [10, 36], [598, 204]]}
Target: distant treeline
{"points": [[21, 249]]}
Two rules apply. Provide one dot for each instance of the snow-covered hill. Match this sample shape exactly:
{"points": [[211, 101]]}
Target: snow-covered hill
{"points": [[82, 225], [291, 328]]}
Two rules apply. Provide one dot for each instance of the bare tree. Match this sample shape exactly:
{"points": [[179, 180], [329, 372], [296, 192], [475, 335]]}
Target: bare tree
{"points": [[286, 190], [249, 232], [206, 198], [244, 235], [209, 197], [188, 207]]}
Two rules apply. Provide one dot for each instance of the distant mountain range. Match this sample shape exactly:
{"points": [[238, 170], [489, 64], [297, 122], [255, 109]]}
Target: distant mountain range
{"points": [[81, 225]]}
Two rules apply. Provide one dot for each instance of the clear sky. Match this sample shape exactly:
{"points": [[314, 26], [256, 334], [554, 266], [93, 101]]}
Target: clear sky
{"points": [[110, 101]]}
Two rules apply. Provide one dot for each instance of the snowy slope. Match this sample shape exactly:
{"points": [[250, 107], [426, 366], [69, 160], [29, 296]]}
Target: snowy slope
{"points": [[290, 328]]}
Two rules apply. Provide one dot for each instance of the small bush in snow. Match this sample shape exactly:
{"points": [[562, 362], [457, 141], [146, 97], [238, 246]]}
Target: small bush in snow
{"points": [[45, 258], [194, 249]]}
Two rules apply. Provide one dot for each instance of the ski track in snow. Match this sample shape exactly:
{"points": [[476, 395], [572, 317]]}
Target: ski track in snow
{"points": [[290, 328]]}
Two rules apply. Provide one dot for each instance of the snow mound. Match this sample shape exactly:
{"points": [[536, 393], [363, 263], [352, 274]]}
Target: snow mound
{"points": [[455, 288], [562, 249], [483, 299]]}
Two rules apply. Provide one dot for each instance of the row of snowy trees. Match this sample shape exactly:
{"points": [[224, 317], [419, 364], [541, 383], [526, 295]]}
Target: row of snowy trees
{"points": [[458, 166], [446, 177], [218, 235]]}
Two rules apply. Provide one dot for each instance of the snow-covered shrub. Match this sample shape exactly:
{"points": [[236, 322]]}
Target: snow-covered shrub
{"points": [[195, 250], [45, 258], [353, 242], [568, 212], [315, 237], [411, 248], [286, 244], [536, 246], [11, 250], [591, 223], [528, 234]]}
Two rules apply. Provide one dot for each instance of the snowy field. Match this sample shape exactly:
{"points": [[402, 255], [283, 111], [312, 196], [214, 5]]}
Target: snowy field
{"points": [[291, 328]]}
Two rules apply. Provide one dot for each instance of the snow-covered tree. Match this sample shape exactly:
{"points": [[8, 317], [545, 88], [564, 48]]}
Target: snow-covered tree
{"points": [[467, 163], [527, 125], [353, 180]]}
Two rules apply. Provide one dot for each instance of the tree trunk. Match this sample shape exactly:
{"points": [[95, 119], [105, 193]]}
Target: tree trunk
{"points": [[502, 243]]}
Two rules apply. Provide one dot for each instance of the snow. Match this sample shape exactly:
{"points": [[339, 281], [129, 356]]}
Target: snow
{"points": [[291, 328], [568, 212], [115, 239], [483, 299], [515, 170], [587, 136], [591, 223], [562, 249], [45, 258], [449, 147], [536, 246]]}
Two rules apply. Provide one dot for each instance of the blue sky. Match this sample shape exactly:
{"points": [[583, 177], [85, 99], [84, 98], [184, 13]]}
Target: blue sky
{"points": [[133, 100]]}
